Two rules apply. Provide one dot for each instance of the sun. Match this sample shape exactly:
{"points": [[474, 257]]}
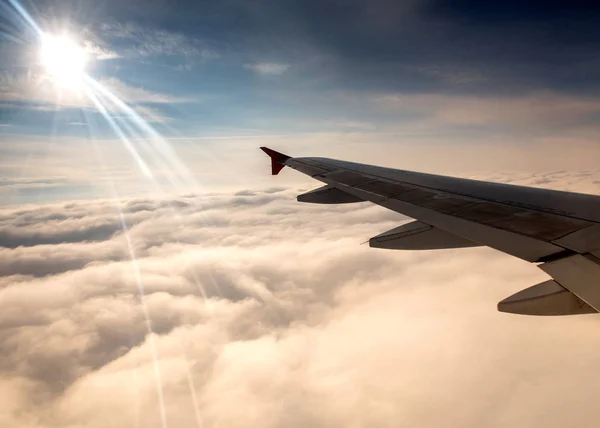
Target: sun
{"points": [[63, 59]]}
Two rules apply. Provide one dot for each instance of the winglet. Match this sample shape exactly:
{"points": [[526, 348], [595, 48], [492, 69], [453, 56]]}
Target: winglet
{"points": [[277, 160]]}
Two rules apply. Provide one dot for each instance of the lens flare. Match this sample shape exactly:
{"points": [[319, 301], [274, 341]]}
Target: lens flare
{"points": [[63, 59]]}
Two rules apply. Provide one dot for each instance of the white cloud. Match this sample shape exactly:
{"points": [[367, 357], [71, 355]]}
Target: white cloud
{"points": [[258, 300], [268, 68], [545, 109], [98, 52], [135, 94], [147, 42], [43, 95], [35, 88]]}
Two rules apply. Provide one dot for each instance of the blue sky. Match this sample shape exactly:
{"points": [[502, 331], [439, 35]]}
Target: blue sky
{"points": [[338, 78]]}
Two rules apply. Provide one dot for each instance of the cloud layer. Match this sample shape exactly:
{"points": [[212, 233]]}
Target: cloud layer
{"points": [[250, 308]]}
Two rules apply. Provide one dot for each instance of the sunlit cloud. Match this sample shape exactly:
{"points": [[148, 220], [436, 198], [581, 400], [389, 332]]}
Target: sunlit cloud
{"points": [[99, 53], [134, 94], [535, 110]]}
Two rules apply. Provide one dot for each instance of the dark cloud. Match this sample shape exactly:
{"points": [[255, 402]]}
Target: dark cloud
{"points": [[73, 223], [388, 45], [12, 239], [377, 45], [511, 11]]}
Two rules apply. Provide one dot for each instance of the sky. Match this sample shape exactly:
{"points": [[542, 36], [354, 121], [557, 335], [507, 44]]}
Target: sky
{"points": [[453, 87], [153, 273]]}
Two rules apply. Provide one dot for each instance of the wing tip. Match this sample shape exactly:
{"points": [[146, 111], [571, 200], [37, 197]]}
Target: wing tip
{"points": [[277, 159]]}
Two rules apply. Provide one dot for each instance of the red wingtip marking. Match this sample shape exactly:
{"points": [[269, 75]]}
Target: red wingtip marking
{"points": [[276, 167], [277, 160]]}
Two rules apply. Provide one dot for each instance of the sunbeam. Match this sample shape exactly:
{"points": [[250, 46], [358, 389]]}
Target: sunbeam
{"points": [[161, 146], [140, 288], [151, 338], [26, 17], [134, 153], [192, 388]]}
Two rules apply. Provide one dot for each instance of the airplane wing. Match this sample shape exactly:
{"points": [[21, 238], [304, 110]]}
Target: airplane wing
{"points": [[560, 231]]}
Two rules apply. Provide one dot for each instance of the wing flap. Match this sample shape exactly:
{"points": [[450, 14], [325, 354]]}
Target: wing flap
{"points": [[546, 298], [580, 274], [328, 195], [349, 178], [418, 236], [583, 241], [527, 222]]}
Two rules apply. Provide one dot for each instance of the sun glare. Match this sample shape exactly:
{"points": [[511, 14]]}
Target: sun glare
{"points": [[63, 59]]}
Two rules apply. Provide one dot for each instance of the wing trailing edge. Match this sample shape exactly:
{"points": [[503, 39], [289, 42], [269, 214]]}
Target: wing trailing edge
{"points": [[419, 236]]}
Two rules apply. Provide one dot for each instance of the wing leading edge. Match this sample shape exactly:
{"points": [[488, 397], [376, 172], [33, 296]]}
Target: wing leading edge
{"points": [[558, 230]]}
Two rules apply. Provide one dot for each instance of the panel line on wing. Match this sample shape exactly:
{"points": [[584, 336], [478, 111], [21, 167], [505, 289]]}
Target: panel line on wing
{"points": [[516, 204], [528, 222], [384, 188]]}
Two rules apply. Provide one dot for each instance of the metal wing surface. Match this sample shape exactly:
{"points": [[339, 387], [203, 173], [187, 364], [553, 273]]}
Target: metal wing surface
{"points": [[558, 230]]}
